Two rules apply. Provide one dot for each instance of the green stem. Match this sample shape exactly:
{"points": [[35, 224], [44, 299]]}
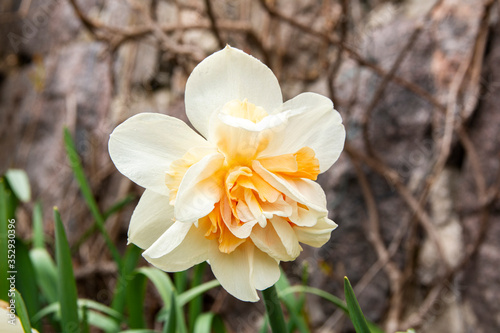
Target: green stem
{"points": [[273, 309]]}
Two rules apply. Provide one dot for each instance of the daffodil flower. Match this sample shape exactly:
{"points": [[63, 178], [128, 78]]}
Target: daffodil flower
{"points": [[240, 194]]}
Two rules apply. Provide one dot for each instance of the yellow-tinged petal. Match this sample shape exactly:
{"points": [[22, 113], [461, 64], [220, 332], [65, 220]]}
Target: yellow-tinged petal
{"points": [[278, 240], [199, 190], [311, 122], [227, 75], [302, 164], [304, 191]]}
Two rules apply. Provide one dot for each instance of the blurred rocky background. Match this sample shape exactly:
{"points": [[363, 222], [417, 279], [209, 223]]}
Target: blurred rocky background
{"points": [[415, 193]]}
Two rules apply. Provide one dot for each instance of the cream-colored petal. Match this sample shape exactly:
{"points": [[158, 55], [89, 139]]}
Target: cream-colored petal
{"points": [[235, 271], [266, 271], [304, 217], [287, 236], [318, 235], [268, 241], [244, 270], [312, 122], [169, 240], [240, 140], [304, 191], [194, 249], [151, 218], [279, 208], [143, 146], [228, 75], [199, 189]]}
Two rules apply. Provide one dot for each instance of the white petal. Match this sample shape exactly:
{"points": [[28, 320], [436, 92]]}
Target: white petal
{"points": [[312, 122], [304, 191], [143, 146], [318, 235], [195, 248], [224, 76], [151, 218], [169, 240], [199, 190], [244, 270]]}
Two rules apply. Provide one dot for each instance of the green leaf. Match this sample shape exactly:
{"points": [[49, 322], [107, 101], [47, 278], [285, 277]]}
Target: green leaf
{"points": [[192, 293], [209, 322], [93, 305], [327, 296], [19, 183], [26, 278], [161, 281], [45, 272], [315, 291], [22, 312], [103, 322], [166, 289], [66, 280], [145, 330], [196, 304], [85, 320], [4, 221], [38, 234], [135, 301], [130, 260], [180, 281], [76, 165], [171, 322], [355, 313], [53, 308], [293, 305]]}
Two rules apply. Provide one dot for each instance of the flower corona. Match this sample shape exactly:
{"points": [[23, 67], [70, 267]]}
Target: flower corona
{"points": [[242, 195]]}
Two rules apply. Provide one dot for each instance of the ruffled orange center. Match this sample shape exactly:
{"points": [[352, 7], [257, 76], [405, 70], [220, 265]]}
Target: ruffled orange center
{"points": [[246, 198]]}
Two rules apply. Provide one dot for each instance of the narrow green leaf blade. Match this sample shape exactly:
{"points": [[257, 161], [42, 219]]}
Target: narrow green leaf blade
{"points": [[4, 283], [26, 278], [171, 322], [355, 313], [196, 304], [77, 168], [103, 322], [22, 312], [192, 293], [315, 291], [38, 235], [161, 281], [135, 301], [66, 280], [19, 183], [209, 322], [294, 306], [46, 273], [130, 260]]}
